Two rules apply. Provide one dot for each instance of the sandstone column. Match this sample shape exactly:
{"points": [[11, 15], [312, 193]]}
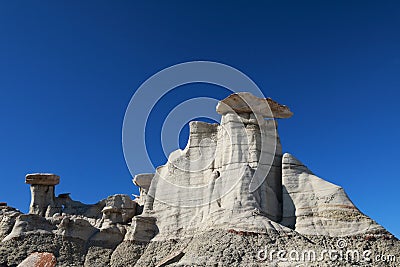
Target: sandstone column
{"points": [[250, 136], [143, 181], [42, 193]]}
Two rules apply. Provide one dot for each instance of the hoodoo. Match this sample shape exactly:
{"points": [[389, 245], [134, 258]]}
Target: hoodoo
{"points": [[244, 150], [42, 193], [228, 199]]}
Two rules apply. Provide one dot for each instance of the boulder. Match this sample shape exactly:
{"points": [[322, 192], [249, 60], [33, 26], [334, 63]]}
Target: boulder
{"points": [[39, 259]]}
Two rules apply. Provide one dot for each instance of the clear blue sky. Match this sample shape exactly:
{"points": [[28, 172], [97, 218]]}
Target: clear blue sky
{"points": [[69, 68]]}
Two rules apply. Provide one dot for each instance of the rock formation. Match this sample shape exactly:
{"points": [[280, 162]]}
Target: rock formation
{"points": [[42, 193], [228, 199], [313, 206], [214, 190]]}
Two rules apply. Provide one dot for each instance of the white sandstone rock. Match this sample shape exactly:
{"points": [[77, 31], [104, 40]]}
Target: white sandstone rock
{"points": [[313, 206], [143, 181], [224, 174]]}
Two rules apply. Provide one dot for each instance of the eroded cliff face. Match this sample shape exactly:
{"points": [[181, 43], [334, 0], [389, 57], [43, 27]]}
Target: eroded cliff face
{"points": [[227, 195], [207, 185], [313, 206]]}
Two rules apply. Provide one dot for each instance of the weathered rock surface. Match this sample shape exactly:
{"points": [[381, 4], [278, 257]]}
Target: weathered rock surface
{"points": [[313, 206], [143, 181], [247, 103], [42, 179], [8, 216], [217, 194], [230, 248], [230, 198], [42, 191]]}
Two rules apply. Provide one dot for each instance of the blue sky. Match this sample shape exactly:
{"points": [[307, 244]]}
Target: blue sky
{"points": [[69, 68]]}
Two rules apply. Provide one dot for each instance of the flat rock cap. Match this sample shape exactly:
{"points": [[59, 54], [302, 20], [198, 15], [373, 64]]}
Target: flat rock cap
{"points": [[143, 180], [245, 102], [42, 179]]}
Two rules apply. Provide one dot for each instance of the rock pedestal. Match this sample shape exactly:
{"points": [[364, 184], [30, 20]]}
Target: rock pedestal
{"points": [[42, 193], [228, 172], [254, 142], [143, 181]]}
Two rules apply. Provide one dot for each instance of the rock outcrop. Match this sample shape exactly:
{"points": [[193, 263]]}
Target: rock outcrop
{"points": [[313, 206], [230, 198], [209, 183], [8, 217], [42, 193]]}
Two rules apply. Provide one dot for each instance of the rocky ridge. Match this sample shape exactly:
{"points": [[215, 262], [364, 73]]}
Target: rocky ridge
{"points": [[228, 199]]}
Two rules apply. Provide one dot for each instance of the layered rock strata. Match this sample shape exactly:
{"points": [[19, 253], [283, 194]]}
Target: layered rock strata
{"points": [[313, 206]]}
